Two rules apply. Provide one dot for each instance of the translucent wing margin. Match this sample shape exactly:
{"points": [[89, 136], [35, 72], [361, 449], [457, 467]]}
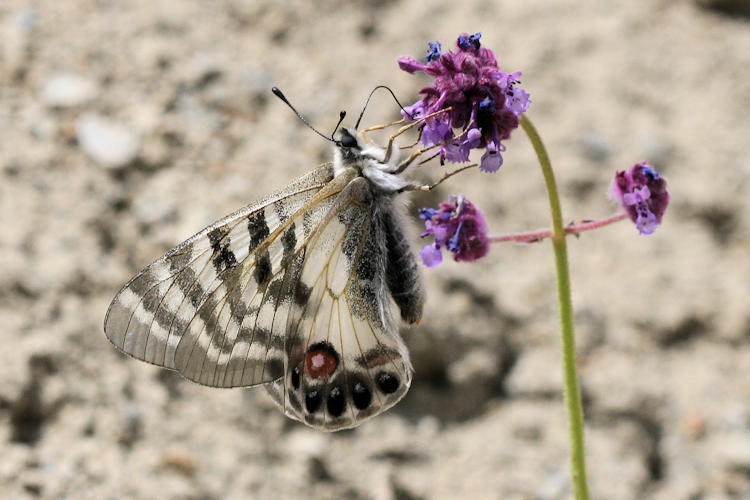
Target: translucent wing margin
{"points": [[196, 286]]}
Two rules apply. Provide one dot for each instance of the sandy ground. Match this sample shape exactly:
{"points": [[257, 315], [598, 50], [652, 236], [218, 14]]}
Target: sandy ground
{"points": [[128, 126]]}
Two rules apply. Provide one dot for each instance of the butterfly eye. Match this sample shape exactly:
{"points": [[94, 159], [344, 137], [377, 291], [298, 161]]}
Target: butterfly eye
{"points": [[347, 140]]}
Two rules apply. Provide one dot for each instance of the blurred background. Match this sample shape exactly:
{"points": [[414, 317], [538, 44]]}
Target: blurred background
{"points": [[128, 126]]}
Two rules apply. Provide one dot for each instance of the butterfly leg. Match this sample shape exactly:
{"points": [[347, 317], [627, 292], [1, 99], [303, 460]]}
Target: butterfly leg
{"points": [[381, 127], [430, 187], [389, 147], [378, 127], [405, 164], [413, 144]]}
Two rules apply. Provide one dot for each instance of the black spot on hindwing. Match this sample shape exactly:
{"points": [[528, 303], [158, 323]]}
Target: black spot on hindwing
{"points": [[361, 396], [295, 377], [275, 368], [387, 382], [336, 402], [312, 401]]}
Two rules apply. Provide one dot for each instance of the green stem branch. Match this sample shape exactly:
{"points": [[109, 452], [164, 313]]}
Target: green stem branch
{"points": [[570, 375]]}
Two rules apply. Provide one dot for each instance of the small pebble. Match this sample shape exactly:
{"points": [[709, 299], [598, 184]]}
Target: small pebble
{"points": [[108, 143], [65, 90]]}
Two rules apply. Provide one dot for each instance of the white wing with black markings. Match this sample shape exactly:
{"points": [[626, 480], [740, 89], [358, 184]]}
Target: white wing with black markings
{"points": [[174, 312], [294, 292]]}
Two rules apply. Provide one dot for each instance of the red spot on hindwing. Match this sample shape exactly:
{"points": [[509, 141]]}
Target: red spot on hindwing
{"points": [[320, 363]]}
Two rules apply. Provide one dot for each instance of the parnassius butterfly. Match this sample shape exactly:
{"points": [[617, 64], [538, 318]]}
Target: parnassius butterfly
{"points": [[294, 292]]}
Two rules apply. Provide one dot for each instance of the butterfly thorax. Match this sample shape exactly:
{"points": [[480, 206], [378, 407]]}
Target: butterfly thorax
{"points": [[353, 151]]}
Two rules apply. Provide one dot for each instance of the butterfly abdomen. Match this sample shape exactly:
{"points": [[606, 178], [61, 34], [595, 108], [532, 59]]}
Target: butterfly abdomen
{"points": [[403, 274]]}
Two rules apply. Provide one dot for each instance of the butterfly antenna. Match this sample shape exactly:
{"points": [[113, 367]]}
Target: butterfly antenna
{"points": [[368, 102], [342, 114], [278, 93]]}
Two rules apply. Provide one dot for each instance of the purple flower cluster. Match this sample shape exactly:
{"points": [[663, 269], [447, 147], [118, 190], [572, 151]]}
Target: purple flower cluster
{"points": [[485, 102], [457, 225], [642, 192]]}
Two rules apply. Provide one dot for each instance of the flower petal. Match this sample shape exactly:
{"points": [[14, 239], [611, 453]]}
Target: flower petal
{"points": [[491, 162], [415, 111], [434, 52], [436, 132], [431, 256], [646, 223], [410, 65]]}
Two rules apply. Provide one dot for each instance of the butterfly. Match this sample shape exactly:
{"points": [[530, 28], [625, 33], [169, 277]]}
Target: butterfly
{"points": [[295, 292]]}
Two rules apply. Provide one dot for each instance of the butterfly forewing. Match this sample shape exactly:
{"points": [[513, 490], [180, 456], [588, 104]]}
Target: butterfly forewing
{"points": [[149, 316], [236, 337]]}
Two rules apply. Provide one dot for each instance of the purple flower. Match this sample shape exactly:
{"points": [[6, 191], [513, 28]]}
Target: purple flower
{"points": [[485, 102], [642, 192], [431, 255], [458, 150], [467, 42], [492, 160], [415, 111], [517, 100], [434, 51], [457, 225], [437, 133]]}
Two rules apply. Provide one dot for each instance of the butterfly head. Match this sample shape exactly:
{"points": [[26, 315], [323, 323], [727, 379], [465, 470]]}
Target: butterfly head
{"points": [[378, 165], [352, 149], [349, 138]]}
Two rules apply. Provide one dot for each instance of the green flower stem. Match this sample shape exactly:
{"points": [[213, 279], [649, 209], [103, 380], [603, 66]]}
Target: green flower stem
{"points": [[572, 391]]}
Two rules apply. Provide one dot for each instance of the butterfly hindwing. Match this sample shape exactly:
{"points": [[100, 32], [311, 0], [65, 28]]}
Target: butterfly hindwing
{"points": [[346, 360]]}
